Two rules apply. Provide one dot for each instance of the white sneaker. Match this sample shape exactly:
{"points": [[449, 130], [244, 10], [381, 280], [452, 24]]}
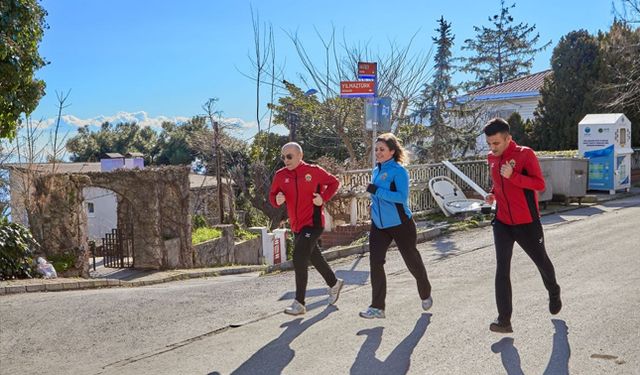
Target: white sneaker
{"points": [[334, 291], [296, 308], [427, 303], [372, 313]]}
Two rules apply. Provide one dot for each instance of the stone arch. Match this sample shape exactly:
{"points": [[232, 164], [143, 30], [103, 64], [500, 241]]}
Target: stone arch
{"points": [[157, 197]]}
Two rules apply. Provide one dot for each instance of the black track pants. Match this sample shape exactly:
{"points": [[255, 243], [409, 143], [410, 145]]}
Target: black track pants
{"points": [[379, 241], [530, 237], [305, 250]]}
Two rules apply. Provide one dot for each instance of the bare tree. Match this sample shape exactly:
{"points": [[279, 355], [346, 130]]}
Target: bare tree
{"points": [[264, 69], [262, 49], [401, 74], [623, 49], [627, 11], [26, 151], [211, 145]]}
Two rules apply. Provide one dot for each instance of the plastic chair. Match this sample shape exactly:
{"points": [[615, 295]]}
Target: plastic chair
{"points": [[452, 200]]}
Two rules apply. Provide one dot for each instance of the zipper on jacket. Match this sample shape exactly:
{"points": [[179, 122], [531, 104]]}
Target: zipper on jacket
{"points": [[297, 196], [504, 193], [378, 199]]}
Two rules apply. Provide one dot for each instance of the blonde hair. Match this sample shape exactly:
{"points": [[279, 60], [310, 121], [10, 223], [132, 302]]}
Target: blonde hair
{"points": [[400, 155]]}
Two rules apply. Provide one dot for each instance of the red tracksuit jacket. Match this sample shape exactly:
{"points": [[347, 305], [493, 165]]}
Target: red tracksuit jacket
{"points": [[298, 187], [516, 196]]}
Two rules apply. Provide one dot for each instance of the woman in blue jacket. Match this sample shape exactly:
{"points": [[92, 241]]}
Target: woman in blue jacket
{"points": [[391, 219]]}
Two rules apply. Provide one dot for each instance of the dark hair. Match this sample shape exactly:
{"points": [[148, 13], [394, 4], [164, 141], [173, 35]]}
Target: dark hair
{"points": [[496, 125], [393, 143]]}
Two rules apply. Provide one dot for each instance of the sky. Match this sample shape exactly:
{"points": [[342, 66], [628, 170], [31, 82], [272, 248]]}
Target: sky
{"points": [[151, 61]]}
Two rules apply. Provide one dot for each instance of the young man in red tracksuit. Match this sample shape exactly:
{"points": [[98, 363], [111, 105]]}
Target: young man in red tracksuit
{"points": [[516, 177], [305, 187]]}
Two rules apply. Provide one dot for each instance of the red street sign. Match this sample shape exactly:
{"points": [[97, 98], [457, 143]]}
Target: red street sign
{"points": [[358, 88], [277, 257], [367, 70]]}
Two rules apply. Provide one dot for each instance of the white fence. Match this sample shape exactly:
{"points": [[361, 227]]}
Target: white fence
{"points": [[354, 184]]}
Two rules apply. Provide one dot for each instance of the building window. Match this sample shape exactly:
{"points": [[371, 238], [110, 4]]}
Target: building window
{"points": [[90, 209]]}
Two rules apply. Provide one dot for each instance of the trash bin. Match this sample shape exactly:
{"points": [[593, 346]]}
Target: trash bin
{"points": [[605, 139], [547, 194], [568, 177]]}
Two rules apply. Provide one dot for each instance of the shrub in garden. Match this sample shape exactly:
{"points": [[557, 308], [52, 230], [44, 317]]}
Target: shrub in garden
{"points": [[17, 248]]}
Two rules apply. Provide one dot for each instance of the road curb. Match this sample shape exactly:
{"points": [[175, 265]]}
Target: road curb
{"points": [[111, 283]]}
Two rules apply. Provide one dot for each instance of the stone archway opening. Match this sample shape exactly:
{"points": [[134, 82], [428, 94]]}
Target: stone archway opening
{"points": [[154, 200], [110, 227]]}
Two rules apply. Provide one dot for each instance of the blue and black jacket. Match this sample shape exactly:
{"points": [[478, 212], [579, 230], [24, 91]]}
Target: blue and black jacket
{"points": [[390, 195]]}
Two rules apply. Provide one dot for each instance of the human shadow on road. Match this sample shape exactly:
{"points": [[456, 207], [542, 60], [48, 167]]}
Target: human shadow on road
{"points": [[316, 292], [399, 361], [509, 355], [559, 361], [560, 353], [350, 276], [585, 211], [274, 357], [552, 219], [445, 247]]}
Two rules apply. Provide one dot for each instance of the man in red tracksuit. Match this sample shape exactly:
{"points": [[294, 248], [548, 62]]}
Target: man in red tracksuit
{"points": [[305, 187], [516, 177]]}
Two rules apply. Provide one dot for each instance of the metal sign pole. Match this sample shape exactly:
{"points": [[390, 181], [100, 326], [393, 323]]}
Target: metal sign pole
{"points": [[465, 178], [374, 126], [373, 144]]}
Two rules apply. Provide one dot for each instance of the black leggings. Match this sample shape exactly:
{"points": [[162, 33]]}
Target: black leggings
{"points": [[379, 241], [305, 249], [531, 238]]}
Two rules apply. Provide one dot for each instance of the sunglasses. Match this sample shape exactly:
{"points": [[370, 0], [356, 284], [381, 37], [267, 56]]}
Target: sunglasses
{"points": [[287, 156]]}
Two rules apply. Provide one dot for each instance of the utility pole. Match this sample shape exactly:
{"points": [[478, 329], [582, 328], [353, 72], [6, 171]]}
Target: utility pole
{"points": [[216, 148], [292, 121]]}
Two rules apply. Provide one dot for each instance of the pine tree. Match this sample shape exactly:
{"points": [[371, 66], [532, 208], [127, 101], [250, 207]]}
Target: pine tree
{"points": [[438, 95], [502, 52], [619, 87], [568, 93]]}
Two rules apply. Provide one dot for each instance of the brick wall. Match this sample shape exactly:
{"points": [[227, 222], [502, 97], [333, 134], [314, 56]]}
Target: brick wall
{"points": [[343, 235]]}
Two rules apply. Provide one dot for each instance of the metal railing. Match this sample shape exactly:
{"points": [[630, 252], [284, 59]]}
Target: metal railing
{"points": [[354, 183]]}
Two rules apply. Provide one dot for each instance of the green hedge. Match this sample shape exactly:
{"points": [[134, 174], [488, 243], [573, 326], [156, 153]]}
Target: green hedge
{"points": [[204, 234], [16, 252]]}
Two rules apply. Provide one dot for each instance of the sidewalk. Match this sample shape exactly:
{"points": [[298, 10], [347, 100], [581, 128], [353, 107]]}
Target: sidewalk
{"points": [[116, 277]]}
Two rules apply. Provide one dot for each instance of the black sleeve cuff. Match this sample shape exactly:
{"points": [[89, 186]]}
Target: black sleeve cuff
{"points": [[371, 188]]}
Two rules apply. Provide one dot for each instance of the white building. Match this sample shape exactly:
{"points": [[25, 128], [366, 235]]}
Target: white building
{"points": [[519, 95]]}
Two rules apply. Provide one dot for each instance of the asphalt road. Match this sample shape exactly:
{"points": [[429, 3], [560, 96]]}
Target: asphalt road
{"points": [[234, 324]]}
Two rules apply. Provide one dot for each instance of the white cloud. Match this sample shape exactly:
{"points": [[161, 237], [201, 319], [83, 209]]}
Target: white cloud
{"points": [[143, 119], [240, 128], [240, 123], [140, 117]]}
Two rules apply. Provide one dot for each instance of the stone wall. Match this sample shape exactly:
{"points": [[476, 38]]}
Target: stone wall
{"points": [[204, 201], [157, 208], [58, 220], [343, 235], [224, 251], [153, 205], [248, 252], [215, 252]]}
